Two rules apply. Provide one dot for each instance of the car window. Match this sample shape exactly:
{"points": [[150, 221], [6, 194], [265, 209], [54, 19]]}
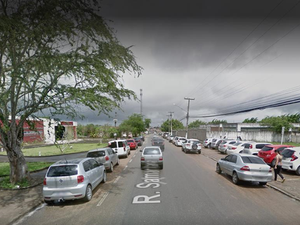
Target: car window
{"points": [[93, 163], [281, 148], [59, 171], [267, 148], [232, 142], [113, 144], [96, 154], [254, 160], [260, 146], [109, 151], [151, 151], [228, 158], [121, 143], [233, 158], [195, 142], [287, 153], [86, 166]]}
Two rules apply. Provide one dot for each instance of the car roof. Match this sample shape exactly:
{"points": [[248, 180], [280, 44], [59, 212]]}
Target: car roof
{"points": [[99, 149], [70, 161]]}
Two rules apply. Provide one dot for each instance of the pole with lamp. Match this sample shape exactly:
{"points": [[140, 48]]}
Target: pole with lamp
{"points": [[187, 115]]}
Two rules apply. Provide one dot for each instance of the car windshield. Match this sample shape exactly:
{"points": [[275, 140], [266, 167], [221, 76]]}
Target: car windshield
{"points": [[287, 153], [151, 151], [253, 160], [59, 171], [96, 154]]}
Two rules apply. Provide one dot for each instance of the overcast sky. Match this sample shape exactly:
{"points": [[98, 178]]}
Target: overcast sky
{"points": [[228, 55]]}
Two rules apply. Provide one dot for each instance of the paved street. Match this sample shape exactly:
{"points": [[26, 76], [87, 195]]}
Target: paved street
{"points": [[186, 191]]}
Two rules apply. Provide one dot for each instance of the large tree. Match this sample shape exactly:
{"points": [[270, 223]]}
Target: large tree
{"points": [[196, 124], [176, 125], [54, 56], [133, 124]]}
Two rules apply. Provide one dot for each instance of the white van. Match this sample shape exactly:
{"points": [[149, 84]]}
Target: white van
{"points": [[120, 147]]}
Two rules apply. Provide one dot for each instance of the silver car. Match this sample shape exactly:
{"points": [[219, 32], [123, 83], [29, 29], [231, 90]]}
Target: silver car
{"points": [[73, 179], [245, 167], [223, 146], [107, 156], [152, 156]]}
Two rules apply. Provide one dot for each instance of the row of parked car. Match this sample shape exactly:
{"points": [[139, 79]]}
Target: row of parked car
{"points": [[77, 178], [263, 150], [187, 145]]}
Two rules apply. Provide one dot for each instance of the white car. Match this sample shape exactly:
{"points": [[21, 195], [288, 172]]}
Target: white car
{"points": [[207, 143], [192, 145], [291, 159], [223, 146], [120, 147], [180, 141], [235, 148], [253, 148]]}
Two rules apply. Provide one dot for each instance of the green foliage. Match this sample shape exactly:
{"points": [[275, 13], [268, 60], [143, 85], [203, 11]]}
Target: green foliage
{"points": [[176, 125], [215, 121], [251, 120], [133, 124], [147, 123], [276, 123], [196, 124]]}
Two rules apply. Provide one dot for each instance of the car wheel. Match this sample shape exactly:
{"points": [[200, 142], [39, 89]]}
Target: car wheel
{"points": [[88, 194], [235, 178], [209, 145], [126, 156], [161, 167], [199, 152], [298, 171], [104, 177], [118, 161], [262, 183], [218, 169], [111, 168], [142, 167]]}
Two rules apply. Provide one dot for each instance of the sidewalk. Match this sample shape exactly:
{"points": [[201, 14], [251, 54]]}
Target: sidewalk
{"points": [[14, 204]]}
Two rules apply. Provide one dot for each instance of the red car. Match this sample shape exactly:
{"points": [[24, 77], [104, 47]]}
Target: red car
{"points": [[267, 153], [132, 144]]}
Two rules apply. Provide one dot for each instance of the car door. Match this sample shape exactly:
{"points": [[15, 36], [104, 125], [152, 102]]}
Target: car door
{"points": [[112, 156], [225, 163], [96, 172], [232, 164]]}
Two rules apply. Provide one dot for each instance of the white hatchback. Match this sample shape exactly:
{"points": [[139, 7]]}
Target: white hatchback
{"points": [[291, 159]]}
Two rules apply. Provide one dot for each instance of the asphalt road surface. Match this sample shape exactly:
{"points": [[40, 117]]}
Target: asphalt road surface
{"points": [[186, 191]]}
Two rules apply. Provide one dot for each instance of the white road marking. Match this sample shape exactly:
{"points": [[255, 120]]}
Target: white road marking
{"points": [[30, 214], [104, 196], [125, 168], [130, 160], [116, 180]]}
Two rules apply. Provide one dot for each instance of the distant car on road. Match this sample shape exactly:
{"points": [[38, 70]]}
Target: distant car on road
{"points": [[138, 140], [192, 145], [157, 141], [72, 179], [107, 156], [152, 156], [132, 144], [245, 167]]}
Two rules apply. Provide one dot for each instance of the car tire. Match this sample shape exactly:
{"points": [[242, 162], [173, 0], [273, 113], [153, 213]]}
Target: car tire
{"points": [[218, 169], [88, 193], [104, 177], [262, 183], [111, 168], [199, 152], [142, 167], [209, 145], [161, 167], [126, 156], [235, 178], [298, 171], [118, 161]]}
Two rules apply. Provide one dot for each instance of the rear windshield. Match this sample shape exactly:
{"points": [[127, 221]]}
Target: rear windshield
{"points": [[253, 160], [151, 151], [195, 142], [287, 153], [130, 140], [266, 148], [96, 154], [59, 171]]}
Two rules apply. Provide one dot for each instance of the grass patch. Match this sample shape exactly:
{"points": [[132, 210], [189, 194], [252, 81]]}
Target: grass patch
{"points": [[4, 183], [32, 166], [54, 150]]}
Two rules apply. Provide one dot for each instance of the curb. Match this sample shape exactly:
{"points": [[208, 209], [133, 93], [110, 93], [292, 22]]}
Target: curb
{"points": [[268, 185]]}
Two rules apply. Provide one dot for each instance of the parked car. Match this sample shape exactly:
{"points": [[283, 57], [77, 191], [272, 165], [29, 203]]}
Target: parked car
{"points": [[207, 142], [170, 138], [174, 139], [72, 179], [132, 144], [192, 145], [121, 147], [223, 146], [236, 147], [139, 141], [245, 167], [267, 153], [157, 141], [252, 148], [291, 159], [152, 156], [107, 156], [180, 141], [215, 143]]}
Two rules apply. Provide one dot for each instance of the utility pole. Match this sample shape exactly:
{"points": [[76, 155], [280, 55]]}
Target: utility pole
{"points": [[141, 94], [171, 118], [187, 115]]}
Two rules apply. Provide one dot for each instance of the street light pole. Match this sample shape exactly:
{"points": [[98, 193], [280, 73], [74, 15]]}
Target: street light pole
{"points": [[171, 115], [187, 115]]}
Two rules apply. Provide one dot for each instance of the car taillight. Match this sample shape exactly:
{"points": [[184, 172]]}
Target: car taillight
{"points": [[160, 158], [187, 144], [294, 157], [270, 170], [106, 158], [124, 148], [142, 159], [233, 148], [250, 146], [45, 181], [245, 168], [80, 179]]}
